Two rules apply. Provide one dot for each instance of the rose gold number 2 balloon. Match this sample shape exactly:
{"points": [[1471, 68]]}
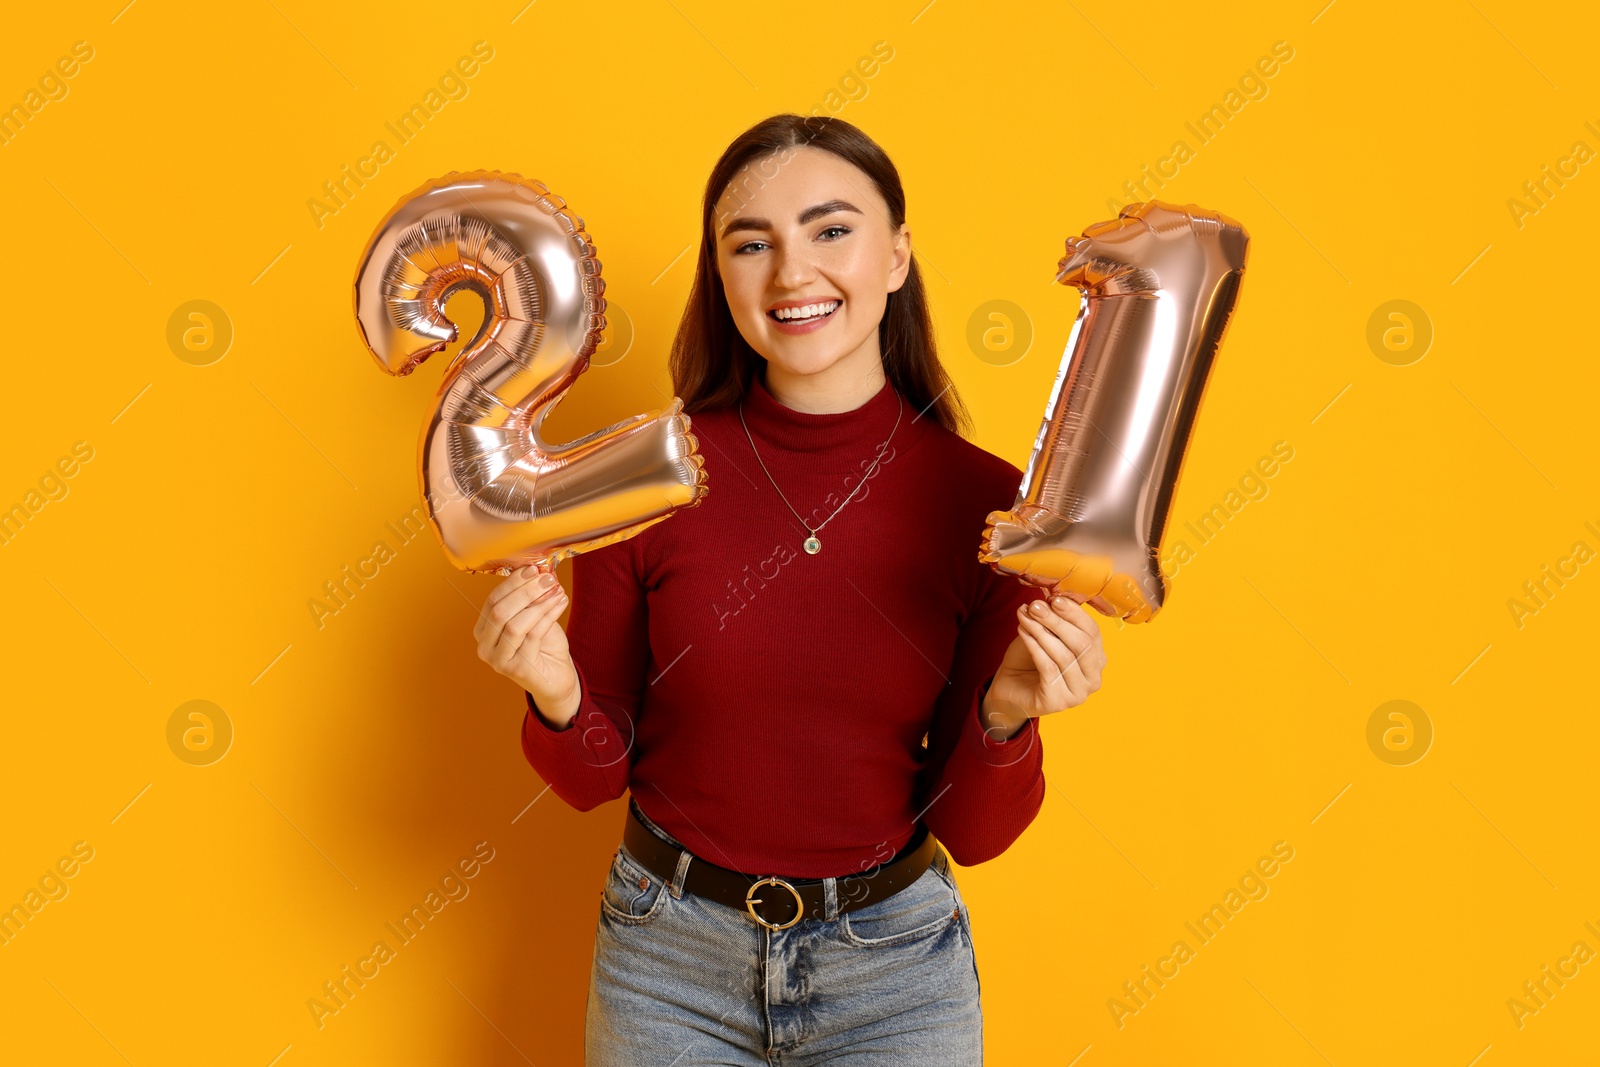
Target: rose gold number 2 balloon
{"points": [[1158, 288], [498, 495]]}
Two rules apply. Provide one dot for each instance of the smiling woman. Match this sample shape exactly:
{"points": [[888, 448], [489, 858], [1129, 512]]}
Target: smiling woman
{"points": [[780, 261], [804, 782]]}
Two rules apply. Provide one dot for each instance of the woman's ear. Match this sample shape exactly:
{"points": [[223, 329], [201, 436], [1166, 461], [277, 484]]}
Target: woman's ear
{"points": [[900, 263]]}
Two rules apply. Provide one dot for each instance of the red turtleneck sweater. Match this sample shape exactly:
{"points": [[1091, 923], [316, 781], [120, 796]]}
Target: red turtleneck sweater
{"points": [[793, 714]]}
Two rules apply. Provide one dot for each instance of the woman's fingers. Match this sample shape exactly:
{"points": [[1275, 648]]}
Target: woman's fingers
{"points": [[514, 582], [1065, 668], [1094, 660], [529, 624], [1073, 612], [503, 607], [504, 603], [1057, 676], [1063, 626], [1091, 650], [1066, 647], [507, 599], [1062, 683], [1041, 659]]}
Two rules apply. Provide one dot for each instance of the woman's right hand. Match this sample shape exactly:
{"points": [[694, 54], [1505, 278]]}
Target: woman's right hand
{"points": [[519, 634]]}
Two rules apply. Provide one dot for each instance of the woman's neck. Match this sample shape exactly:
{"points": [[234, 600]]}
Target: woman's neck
{"points": [[836, 440]]}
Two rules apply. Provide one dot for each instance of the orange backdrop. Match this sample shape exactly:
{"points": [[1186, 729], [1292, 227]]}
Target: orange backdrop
{"points": [[1390, 497]]}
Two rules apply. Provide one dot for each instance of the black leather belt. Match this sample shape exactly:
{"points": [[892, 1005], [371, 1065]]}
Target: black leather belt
{"points": [[778, 903]]}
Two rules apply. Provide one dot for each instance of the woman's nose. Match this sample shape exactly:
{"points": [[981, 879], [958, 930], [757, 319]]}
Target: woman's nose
{"points": [[794, 269]]}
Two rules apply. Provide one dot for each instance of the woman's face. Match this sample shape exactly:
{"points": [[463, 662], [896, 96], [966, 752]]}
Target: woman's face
{"points": [[810, 231]]}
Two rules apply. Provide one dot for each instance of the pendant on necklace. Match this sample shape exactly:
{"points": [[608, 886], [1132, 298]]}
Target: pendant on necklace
{"points": [[812, 545]]}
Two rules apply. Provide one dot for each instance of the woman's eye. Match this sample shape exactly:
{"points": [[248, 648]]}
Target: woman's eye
{"points": [[745, 248]]}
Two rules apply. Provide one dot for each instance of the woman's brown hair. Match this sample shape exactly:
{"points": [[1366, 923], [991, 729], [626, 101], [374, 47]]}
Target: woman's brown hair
{"points": [[712, 364]]}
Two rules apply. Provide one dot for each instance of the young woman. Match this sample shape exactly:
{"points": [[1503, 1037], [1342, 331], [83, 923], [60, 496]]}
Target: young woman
{"points": [[808, 682]]}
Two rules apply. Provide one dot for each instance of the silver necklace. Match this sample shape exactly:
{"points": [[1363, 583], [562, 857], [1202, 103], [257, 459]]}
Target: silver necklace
{"points": [[813, 544]]}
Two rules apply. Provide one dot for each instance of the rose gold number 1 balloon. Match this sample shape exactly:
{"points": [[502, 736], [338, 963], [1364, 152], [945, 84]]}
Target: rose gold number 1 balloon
{"points": [[1159, 284], [497, 494]]}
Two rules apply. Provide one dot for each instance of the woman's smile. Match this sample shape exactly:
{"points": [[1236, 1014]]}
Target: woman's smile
{"points": [[803, 316]]}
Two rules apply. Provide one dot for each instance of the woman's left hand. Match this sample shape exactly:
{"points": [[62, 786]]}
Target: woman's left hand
{"points": [[1054, 664]]}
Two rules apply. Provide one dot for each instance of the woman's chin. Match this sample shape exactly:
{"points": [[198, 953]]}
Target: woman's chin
{"points": [[799, 356], [802, 366]]}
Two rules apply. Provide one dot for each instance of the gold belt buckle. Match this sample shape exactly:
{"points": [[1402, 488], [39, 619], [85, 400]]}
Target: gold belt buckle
{"points": [[751, 901]]}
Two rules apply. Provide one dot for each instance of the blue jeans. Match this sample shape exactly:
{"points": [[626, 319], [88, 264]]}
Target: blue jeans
{"points": [[679, 980]]}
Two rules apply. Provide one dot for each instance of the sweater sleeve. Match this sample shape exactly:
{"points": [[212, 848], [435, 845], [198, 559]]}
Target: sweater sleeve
{"points": [[588, 762], [979, 792]]}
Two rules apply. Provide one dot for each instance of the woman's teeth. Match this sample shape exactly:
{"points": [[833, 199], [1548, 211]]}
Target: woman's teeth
{"points": [[803, 314]]}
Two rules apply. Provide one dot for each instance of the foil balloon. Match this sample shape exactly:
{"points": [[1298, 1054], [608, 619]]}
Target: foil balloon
{"points": [[497, 494], [1157, 289]]}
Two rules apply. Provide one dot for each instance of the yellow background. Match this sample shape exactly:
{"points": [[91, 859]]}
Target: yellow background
{"points": [[372, 754]]}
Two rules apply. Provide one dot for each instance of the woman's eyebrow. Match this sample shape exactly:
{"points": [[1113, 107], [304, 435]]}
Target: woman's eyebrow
{"points": [[810, 214]]}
